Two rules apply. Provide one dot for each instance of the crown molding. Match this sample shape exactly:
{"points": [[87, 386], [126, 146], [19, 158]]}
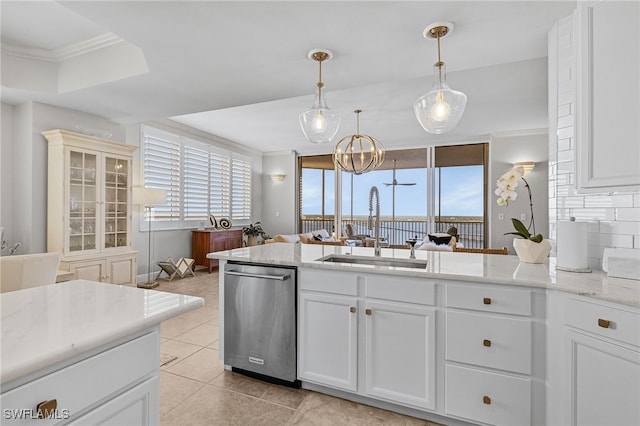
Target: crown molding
{"points": [[63, 53], [526, 132]]}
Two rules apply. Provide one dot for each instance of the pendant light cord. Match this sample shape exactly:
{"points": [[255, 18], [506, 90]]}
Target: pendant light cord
{"points": [[320, 84], [439, 60]]}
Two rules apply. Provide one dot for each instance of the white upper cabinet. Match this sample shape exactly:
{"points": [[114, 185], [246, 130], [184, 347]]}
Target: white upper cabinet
{"points": [[608, 96]]}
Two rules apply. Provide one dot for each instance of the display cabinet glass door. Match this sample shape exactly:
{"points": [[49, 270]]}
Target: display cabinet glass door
{"points": [[82, 201], [116, 178]]}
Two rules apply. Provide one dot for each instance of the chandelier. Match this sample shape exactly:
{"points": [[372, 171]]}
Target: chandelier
{"points": [[358, 153]]}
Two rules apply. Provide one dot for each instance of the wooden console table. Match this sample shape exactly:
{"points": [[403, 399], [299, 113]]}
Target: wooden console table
{"points": [[209, 241]]}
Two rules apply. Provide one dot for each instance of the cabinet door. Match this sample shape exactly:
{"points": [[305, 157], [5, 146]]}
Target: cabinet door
{"points": [[604, 382], [327, 337], [116, 224], [121, 270], [608, 101], [92, 270], [82, 204], [138, 406], [400, 355]]}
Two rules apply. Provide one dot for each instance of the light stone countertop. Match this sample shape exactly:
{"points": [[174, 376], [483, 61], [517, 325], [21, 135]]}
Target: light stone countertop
{"points": [[45, 325], [479, 268]]}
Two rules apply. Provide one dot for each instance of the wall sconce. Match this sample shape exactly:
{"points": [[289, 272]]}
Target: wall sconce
{"points": [[277, 177], [526, 165]]}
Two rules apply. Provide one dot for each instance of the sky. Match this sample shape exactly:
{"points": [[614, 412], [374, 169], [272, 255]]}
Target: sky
{"points": [[461, 192]]}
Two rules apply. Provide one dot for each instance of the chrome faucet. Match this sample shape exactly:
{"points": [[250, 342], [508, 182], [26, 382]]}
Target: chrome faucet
{"points": [[376, 243]]}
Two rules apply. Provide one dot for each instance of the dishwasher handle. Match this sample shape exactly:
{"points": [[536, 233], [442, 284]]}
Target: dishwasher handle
{"points": [[263, 276]]}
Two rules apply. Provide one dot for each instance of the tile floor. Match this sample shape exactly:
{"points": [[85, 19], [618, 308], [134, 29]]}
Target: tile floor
{"points": [[196, 390]]}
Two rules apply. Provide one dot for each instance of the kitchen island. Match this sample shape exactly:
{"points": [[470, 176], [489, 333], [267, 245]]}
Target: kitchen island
{"points": [[467, 338], [84, 352]]}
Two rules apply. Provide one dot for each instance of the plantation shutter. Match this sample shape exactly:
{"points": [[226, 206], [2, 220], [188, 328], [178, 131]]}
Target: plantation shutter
{"points": [[196, 183], [162, 171], [219, 185], [240, 189]]}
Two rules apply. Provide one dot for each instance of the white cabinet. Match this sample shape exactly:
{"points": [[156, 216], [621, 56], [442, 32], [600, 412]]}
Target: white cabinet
{"points": [[400, 353], [602, 363], [328, 340], [608, 95], [89, 206], [117, 386], [490, 346], [369, 335]]}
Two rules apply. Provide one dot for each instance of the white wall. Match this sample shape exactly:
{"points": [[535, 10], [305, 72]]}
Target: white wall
{"points": [[504, 150], [6, 172], [279, 213]]}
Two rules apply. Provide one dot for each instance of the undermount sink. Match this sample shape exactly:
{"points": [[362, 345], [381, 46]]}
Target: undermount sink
{"points": [[375, 261]]}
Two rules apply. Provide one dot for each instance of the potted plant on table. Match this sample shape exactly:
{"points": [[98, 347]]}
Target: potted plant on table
{"points": [[253, 231], [529, 246]]}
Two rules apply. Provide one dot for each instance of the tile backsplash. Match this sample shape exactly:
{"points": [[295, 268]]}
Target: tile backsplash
{"points": [[613, 217]]}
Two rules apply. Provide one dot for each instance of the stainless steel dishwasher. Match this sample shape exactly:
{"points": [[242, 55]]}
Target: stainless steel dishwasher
{"points": [[260, 321]]}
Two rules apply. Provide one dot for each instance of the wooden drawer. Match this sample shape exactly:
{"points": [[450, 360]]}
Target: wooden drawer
{"points": [[467, 390], [489, 299], [401, 289], [622, 325], [489, 341], [79, 386], [328, 281]]}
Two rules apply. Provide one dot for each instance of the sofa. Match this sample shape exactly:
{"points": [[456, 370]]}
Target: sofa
{"points": [[28, 270], [320, 236]]}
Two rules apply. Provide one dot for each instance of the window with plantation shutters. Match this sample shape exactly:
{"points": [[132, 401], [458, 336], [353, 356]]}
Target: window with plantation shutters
{"points": [[220, 185], [162, 171], [200, 180], [196, 183], [240, 189]]}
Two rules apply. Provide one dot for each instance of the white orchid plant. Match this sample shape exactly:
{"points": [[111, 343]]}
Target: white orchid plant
{"points": [[506, 191]]}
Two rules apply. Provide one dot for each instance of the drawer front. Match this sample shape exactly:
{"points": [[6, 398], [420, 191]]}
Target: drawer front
{"points": [[485, 397], [85, 383], [489, 299], [489, 341], [603, 320], [328, 281], [401, 289]]}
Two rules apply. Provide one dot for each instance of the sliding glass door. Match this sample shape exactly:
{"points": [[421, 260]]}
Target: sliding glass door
{"points": [[459, 194]]}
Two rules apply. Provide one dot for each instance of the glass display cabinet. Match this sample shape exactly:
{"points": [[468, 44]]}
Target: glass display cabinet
{"points": [[89, 206]]}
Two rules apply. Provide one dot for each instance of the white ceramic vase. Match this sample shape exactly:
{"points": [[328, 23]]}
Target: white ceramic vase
{"points": [[531, 252]]}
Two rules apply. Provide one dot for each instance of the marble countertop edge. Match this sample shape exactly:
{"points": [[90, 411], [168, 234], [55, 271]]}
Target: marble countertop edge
{"points": [[464, 267]]}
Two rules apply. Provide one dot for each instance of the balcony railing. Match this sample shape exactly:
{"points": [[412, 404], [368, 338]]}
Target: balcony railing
{"points": [[470, 229]]}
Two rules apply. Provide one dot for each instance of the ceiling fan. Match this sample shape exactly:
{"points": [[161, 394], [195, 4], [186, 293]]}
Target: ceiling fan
{"points": [[395, 182]]}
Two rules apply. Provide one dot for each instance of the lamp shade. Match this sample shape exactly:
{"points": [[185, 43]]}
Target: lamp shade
{"points": [[440, 109], [149, 196]]}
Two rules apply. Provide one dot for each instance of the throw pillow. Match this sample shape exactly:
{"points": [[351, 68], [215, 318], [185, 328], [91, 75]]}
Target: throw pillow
{"points": [[439, 238]]}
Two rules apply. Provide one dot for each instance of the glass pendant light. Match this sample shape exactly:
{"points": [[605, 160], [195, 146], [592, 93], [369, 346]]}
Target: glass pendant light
{"points": [[439, 110], [358, 153], [319, 124]]}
